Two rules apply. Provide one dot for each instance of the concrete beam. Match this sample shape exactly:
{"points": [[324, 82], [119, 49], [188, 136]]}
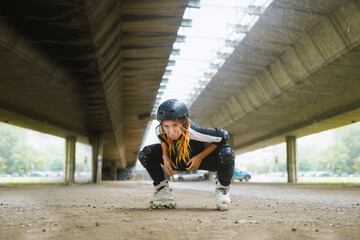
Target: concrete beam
{"points": [[261, 93], [318, 125], [29, 121], [331, 38], [110, 73], [17, 44], [309, 54], [293, 65], [70, 142], [280, 75], [346, 22], [269, 83], [238, 111], [327, 40], [33, 63]]}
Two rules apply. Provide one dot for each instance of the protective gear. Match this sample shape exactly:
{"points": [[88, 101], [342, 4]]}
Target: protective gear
{"points": [[214, 135], [143, 155], [224, 136], [172, 109], [222, 196], [163, 196], [226, 165]]}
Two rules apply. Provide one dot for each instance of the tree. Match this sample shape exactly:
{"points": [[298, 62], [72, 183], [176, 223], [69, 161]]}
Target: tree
{"points": [[348, 139], [344, 155], [16, 155], [10, 143], [304, 164], [57, 164]]}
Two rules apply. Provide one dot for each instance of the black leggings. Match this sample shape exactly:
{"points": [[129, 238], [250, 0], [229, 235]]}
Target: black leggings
{"points": [[222, 160]]}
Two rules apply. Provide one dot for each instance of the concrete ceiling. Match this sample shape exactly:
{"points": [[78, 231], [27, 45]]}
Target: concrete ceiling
{"points": [[78, 67], [298, 66]]}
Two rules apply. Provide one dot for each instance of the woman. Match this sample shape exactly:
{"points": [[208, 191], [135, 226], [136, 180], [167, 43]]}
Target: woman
{"points": [[186, 146]]}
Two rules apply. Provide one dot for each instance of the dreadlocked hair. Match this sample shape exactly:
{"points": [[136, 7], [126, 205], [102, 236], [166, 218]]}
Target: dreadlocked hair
{"points": [[182, 144]]}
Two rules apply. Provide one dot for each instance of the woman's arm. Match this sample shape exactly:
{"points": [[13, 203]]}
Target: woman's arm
{"points": [[169, 165], [217, 136], [196, 160]]}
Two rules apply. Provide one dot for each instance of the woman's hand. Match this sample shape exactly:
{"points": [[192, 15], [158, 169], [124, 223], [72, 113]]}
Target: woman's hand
{"points": [[169, 166], [196, 160], [194, 163]]}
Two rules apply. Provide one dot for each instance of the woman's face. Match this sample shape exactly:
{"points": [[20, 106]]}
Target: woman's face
{"points": [[172, 129]]}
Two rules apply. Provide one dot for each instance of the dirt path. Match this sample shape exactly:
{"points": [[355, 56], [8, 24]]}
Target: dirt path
{"points": [[118, 210]]}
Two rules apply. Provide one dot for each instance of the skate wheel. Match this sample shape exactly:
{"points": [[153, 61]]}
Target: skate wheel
{"points": [[223, 207], [152, 205], [169, 206]]}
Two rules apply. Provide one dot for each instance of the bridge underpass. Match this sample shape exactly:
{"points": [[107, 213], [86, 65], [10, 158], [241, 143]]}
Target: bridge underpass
{"points": [[295, 73], [89, 71], [86, 69], [73, 71]]}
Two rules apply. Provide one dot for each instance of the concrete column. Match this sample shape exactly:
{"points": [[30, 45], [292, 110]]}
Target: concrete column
{"points": [[113, 171], [291, 159], [97, 143], [211, 178], [70, 160]]}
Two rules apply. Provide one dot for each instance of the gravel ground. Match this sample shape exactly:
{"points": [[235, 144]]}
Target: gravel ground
{"points": [[119, 210]]}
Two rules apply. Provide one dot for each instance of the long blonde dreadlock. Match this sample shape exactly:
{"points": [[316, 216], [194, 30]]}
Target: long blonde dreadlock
{"points": [[183, 143]]}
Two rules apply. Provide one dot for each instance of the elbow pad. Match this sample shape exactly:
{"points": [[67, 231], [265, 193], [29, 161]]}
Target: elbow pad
{"points": [[224, 136]]}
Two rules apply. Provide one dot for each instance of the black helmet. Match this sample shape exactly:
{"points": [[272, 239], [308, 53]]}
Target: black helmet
{"points": [[172, 109]]}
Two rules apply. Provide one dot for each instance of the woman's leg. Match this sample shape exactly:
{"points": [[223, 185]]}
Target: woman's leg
{"points": [[225, 164], [221, 160], [151, 159]]}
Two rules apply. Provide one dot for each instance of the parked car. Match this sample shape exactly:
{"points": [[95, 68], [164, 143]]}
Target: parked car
{"points": [[198, 175], [241, 175], [15, 174], [355, 174], [37, 174], [323, 174], [5, 175]]}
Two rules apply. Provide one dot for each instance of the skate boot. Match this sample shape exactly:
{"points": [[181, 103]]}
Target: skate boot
{"points": [[163, 197], [222, 196]]}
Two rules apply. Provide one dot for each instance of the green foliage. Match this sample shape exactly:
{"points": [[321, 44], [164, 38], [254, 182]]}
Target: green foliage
{"points": [[344, 155], [341, 157], [350, 139], [12, 152], [57, 164], [304, 164], [17, 156]]}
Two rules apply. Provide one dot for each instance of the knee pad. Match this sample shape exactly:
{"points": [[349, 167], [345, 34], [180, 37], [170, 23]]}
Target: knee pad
{"points": [[226, 165], [226, 156], [143, 156]]}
